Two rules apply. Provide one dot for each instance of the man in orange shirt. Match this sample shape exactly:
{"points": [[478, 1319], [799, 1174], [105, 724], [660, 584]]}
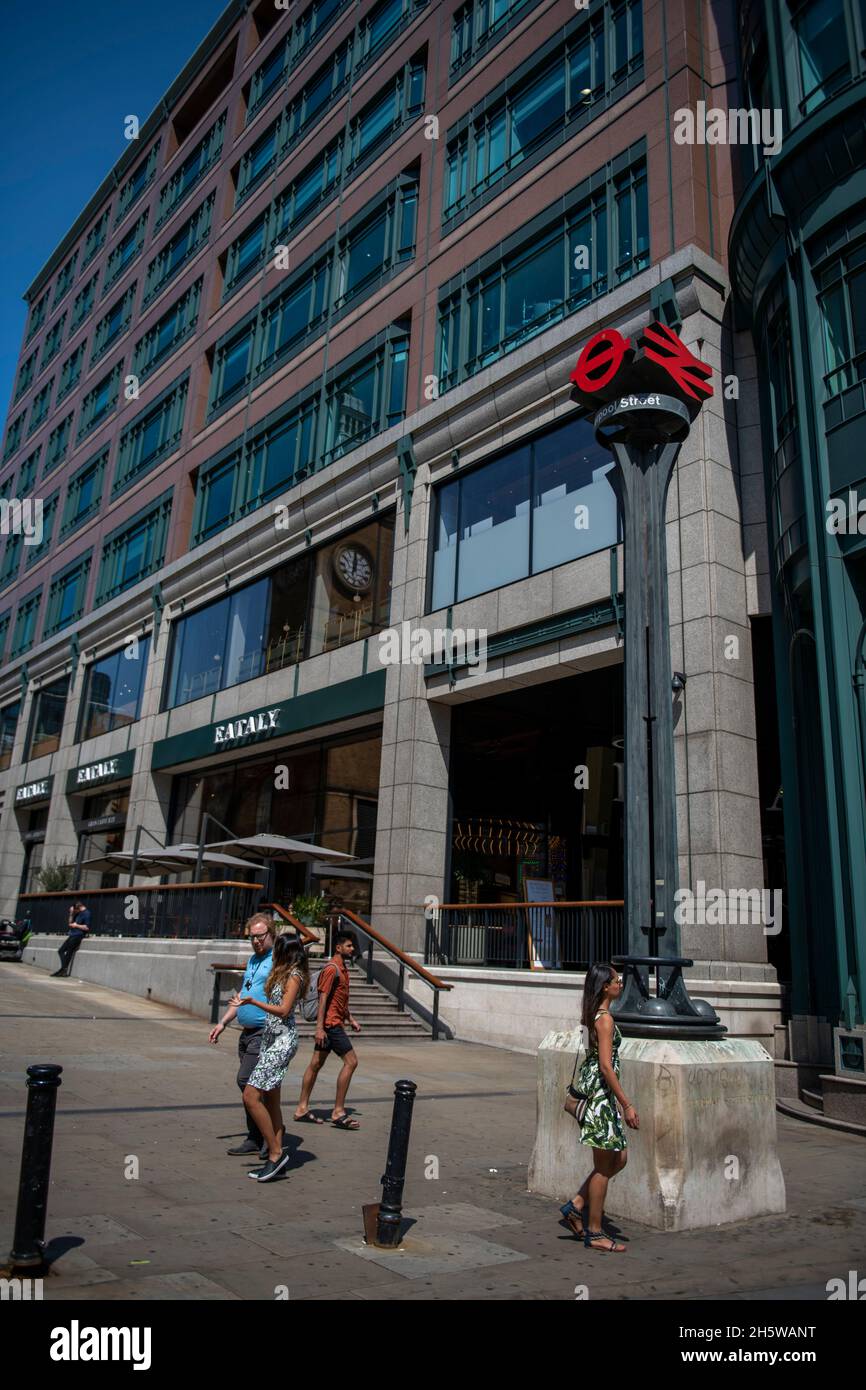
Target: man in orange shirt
{"points": [[331, 1036]]}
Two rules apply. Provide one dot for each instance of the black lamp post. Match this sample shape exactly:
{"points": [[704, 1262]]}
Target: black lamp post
{"points": [[645, 399]]}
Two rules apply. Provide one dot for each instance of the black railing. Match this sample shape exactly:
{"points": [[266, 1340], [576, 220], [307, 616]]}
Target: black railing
{"points": [[525, 936], [398, 962], [203, 910]]}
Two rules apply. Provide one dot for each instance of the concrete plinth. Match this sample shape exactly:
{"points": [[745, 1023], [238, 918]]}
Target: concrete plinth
{"points": [[705, 1152]]}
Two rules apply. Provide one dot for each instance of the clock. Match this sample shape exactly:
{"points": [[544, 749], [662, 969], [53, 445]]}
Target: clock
{"points": [[353, 567]]}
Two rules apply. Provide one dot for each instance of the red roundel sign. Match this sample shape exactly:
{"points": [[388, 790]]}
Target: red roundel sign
{"points": [[610, 365]]}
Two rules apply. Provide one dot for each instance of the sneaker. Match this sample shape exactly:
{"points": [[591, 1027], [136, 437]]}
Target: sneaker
{"points": [[270, 1170], [247, 1147]]}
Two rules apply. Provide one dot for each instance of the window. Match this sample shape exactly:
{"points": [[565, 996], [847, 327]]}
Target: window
{"points": [[293, 314], [14, 435], [822, 51], [25, 375], [151, 437], [83, 303], [231, 369], [313, 23], [193, 169], [387, 113], [260, 158], [125, 252], [95, 239], [368, 398], [180, 249], [46, 719], [112, 324], [479, 24], [37, 552], [245, 254], [378, 243], [134, 551], [64, 279], [11, 562], [27, 476], [269, 76], [315, 602], [37, 316], [535, 279], [113, 690], [26, 619], [515, 515], [383, 23], [167, 334], [84, 493], [9, 717], [66, 595], [53, 339], [137, 182], [518, 121], [99, 403], [58, 443], [39, 408], [311, 187], [277, 455], [4, 633], [70, 372], [842, 302]]}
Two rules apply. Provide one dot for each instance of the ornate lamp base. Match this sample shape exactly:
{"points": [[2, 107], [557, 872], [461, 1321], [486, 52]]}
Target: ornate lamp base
{"points": [[671, 1013]]}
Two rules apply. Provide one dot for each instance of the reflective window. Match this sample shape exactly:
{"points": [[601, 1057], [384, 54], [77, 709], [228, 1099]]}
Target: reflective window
{"points": [[46, 719], [113, 690]]}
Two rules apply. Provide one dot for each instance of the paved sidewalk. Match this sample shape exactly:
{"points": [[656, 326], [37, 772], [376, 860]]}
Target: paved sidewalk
{"points": [[141, 1081]]}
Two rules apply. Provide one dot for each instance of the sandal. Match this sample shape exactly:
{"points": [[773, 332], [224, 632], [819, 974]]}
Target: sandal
{"points": [[345, 1122], [574, 1218], [610, 1249], [308, 1118]]}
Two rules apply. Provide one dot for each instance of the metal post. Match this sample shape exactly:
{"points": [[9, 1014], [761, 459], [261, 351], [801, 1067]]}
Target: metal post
{"points": [[29, 1240], [435, 1015], [391, 1206], [369, 960], [400, 985]]}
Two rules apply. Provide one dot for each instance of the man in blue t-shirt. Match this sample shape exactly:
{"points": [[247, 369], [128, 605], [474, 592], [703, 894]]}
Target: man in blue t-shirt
{"points": [[260, 930], [79, 926]]}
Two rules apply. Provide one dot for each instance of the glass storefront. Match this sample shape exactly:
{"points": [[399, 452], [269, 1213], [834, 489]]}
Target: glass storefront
{"points": [[325, 792], [100, 831], [114, 688]]}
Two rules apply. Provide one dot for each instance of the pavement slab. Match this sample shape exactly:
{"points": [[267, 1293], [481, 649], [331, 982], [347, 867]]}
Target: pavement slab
{"points": [[145, 1204]]}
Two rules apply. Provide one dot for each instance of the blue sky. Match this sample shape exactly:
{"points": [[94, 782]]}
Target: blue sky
{"points": [[69, 73]]}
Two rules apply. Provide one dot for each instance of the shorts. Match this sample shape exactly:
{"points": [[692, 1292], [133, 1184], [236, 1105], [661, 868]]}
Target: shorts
{"points": [[336, 1040]]}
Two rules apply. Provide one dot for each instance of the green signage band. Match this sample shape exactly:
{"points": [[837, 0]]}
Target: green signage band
{"points": [[96, 774]]}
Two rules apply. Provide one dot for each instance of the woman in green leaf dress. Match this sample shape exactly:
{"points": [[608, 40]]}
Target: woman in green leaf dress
{"points": [[602, 1127]]}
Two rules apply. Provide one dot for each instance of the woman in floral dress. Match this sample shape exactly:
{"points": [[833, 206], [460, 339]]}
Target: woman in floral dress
{"points": [[288, 981], [601, 1128]]}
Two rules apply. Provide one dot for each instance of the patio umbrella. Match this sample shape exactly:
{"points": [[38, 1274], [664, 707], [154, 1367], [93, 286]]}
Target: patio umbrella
{"points": [[280, 849]]}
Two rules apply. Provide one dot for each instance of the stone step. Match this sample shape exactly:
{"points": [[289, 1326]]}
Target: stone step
{"points": [[800, 1111], [813, 1098]]}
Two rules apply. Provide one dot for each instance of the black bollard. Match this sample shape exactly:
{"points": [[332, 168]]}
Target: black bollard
{"points": [[28, 1246], [391, 1206]]}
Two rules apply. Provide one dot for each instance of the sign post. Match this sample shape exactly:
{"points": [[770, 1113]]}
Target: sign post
{"points": [[645, 395]]}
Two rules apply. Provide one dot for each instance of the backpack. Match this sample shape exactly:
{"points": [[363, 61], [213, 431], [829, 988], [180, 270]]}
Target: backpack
{"points": [[310, 1003]]}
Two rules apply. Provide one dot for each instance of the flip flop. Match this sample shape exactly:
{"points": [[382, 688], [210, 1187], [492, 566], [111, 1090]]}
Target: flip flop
{"points": [[345, 1122], [308, 1118]]}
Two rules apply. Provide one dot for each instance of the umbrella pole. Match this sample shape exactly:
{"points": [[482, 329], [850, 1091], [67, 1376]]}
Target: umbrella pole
{"points": [[135, 844]]}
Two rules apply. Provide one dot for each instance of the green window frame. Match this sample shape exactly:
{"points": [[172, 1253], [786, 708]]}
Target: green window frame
{"points": [[26, 372], [151, 436], [40, 406], [52, 342], [70, 372], [14, 435], [100, 402], [27, 476], [127, 250], [113, 324], [134, 551], [66, 594], [35, 553], [822, 51], [83, 303], [246, 253], [140, 179], [11, 562], [198, 162], [9, 714], [532, 281], [96, 237], [378, 381], [179, 250], [26, 622], [386, 114], [381, 26], [174, 327], [58, 443], [269, 75], [841, 283], [37, 316], [314, 23], [84, 493], [64, 279], [4, 634], [479, 24]]}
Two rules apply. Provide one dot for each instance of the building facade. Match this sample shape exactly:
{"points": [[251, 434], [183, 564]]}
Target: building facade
{"points": [[297, 382]]}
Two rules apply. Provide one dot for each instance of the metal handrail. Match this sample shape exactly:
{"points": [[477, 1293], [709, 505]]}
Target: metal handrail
{"points": [[308, 937], [509, 907], [400, 956]]}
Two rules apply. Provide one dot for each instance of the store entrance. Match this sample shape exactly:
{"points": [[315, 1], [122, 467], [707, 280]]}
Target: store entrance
{"points": [[536, 791]]}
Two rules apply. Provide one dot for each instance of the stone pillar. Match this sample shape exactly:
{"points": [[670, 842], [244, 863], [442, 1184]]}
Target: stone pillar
{"points": [[705, 1153]]}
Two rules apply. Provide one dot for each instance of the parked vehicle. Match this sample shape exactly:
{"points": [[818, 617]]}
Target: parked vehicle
{"points": [[13, 938]]}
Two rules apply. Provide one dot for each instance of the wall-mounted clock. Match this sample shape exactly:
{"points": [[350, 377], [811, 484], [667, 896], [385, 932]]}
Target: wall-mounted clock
{"points": [[353, 567]]}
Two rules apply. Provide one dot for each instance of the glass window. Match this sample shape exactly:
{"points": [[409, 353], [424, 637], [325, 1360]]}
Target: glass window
{"points": [[245, 634], [494, 525], [134, 551], [198, 653], [534, 289], [823, 51], [351, 593], [537, 111], [46, 719], [364, 255], [574, 507], [287, 625], [114, 690], [216, 499], [84, 494], [9, 716]]}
